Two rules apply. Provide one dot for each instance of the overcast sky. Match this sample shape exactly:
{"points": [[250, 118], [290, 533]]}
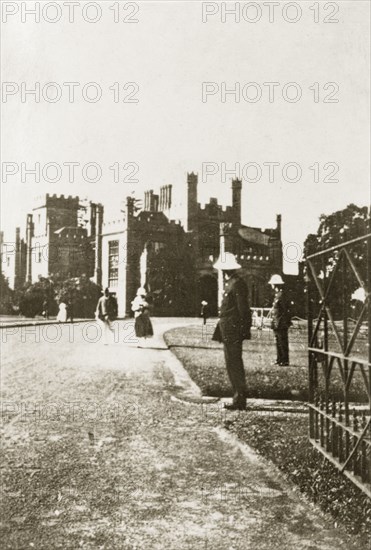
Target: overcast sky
{"points": [[170, 131]]}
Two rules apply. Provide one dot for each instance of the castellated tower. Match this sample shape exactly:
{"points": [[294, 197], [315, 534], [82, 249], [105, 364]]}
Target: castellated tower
{"points": [[56, 243], [192, 205], [236, 200]]}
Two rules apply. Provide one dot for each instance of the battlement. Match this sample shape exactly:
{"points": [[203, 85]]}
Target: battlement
{"points": [[114, 226], [71, 234], [192, 177], [59, 201], [213, 203]]}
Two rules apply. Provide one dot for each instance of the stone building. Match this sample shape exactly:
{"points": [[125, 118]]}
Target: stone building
{"points": [[147, 247], [259, 252], [60, 240], [131, 245]]}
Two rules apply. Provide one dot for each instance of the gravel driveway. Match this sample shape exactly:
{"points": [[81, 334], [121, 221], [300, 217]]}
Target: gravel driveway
{"points": [[99, 454]]}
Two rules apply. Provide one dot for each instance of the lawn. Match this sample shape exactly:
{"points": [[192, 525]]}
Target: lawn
{"points": [[204, 360], [280, 437], [283, 439]]}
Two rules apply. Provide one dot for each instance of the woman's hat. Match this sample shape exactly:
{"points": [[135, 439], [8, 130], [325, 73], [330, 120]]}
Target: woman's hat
{"points": [[227, 262]]}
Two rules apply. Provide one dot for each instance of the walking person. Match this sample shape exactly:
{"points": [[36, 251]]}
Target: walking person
{"points": [[204, 311], [140, 306], [105, 314], [233, 327], [281, 321]]}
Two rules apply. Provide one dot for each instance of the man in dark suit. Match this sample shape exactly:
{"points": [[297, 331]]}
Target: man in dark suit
{"points": [[234, 327], [281, 320]]}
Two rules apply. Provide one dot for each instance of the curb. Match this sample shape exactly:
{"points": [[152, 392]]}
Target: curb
{"points": [[41, 323], [50, 322], [252, 405]]}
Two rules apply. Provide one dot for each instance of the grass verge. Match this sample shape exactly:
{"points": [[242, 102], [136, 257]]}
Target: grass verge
{"points": [[204, 360]]}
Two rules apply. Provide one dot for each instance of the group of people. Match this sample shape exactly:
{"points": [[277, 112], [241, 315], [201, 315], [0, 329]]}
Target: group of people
{"points": [[234, 325], [107, 310], [233, 328]]}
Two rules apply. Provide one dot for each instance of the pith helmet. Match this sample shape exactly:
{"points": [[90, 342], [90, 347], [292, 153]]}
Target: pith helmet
{"points": [[141, 291], [227, 262], [276, 280], [359, 294]]}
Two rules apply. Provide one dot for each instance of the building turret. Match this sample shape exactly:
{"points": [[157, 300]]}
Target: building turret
{"points": [[278, 226], [236, 200], [192, 205]]}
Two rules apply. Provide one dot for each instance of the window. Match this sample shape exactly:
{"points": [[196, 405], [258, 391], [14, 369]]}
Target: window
{"points": [[113, 263], [209, 251]]}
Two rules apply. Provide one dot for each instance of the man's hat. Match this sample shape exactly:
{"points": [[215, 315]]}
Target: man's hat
{"points": [[359, 294], [276, 280], [227, 262]]}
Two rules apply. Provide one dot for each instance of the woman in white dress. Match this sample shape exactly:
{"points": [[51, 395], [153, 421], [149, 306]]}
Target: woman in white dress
{"points": [[62, 313]]}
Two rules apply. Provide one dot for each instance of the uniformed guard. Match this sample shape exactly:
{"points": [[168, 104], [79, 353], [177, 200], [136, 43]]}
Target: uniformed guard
{"points": [[281, 320], [233, 327]]}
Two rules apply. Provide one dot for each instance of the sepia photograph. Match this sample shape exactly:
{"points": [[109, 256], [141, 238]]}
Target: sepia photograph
{"points": [[185, 247]]}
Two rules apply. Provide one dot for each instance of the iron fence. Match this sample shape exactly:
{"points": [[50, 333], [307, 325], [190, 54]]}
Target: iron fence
{"points": [[339, 346]]}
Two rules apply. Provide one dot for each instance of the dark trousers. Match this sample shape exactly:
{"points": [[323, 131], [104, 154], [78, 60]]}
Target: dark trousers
{"points": [[282, 345], [236, 371]]}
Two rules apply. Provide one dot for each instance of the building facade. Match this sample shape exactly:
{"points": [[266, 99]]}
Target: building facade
{"points": [[61, 235], [149, 248], [146, 247]]}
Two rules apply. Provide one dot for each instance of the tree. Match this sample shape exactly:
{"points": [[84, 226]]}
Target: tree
{"points": [[171, 279], [80, 293], [6, 296], [334, 229], [32, 298]]}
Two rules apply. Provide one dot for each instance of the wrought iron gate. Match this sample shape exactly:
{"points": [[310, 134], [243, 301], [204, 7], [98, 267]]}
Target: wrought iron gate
{"points": [[339, 347]]}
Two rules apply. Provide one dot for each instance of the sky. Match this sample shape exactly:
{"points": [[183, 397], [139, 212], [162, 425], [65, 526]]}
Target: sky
{"points": [[321, 140]]}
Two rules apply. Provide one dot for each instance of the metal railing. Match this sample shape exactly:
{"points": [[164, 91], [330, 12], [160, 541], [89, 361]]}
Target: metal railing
{"points": [[339, 349]]}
